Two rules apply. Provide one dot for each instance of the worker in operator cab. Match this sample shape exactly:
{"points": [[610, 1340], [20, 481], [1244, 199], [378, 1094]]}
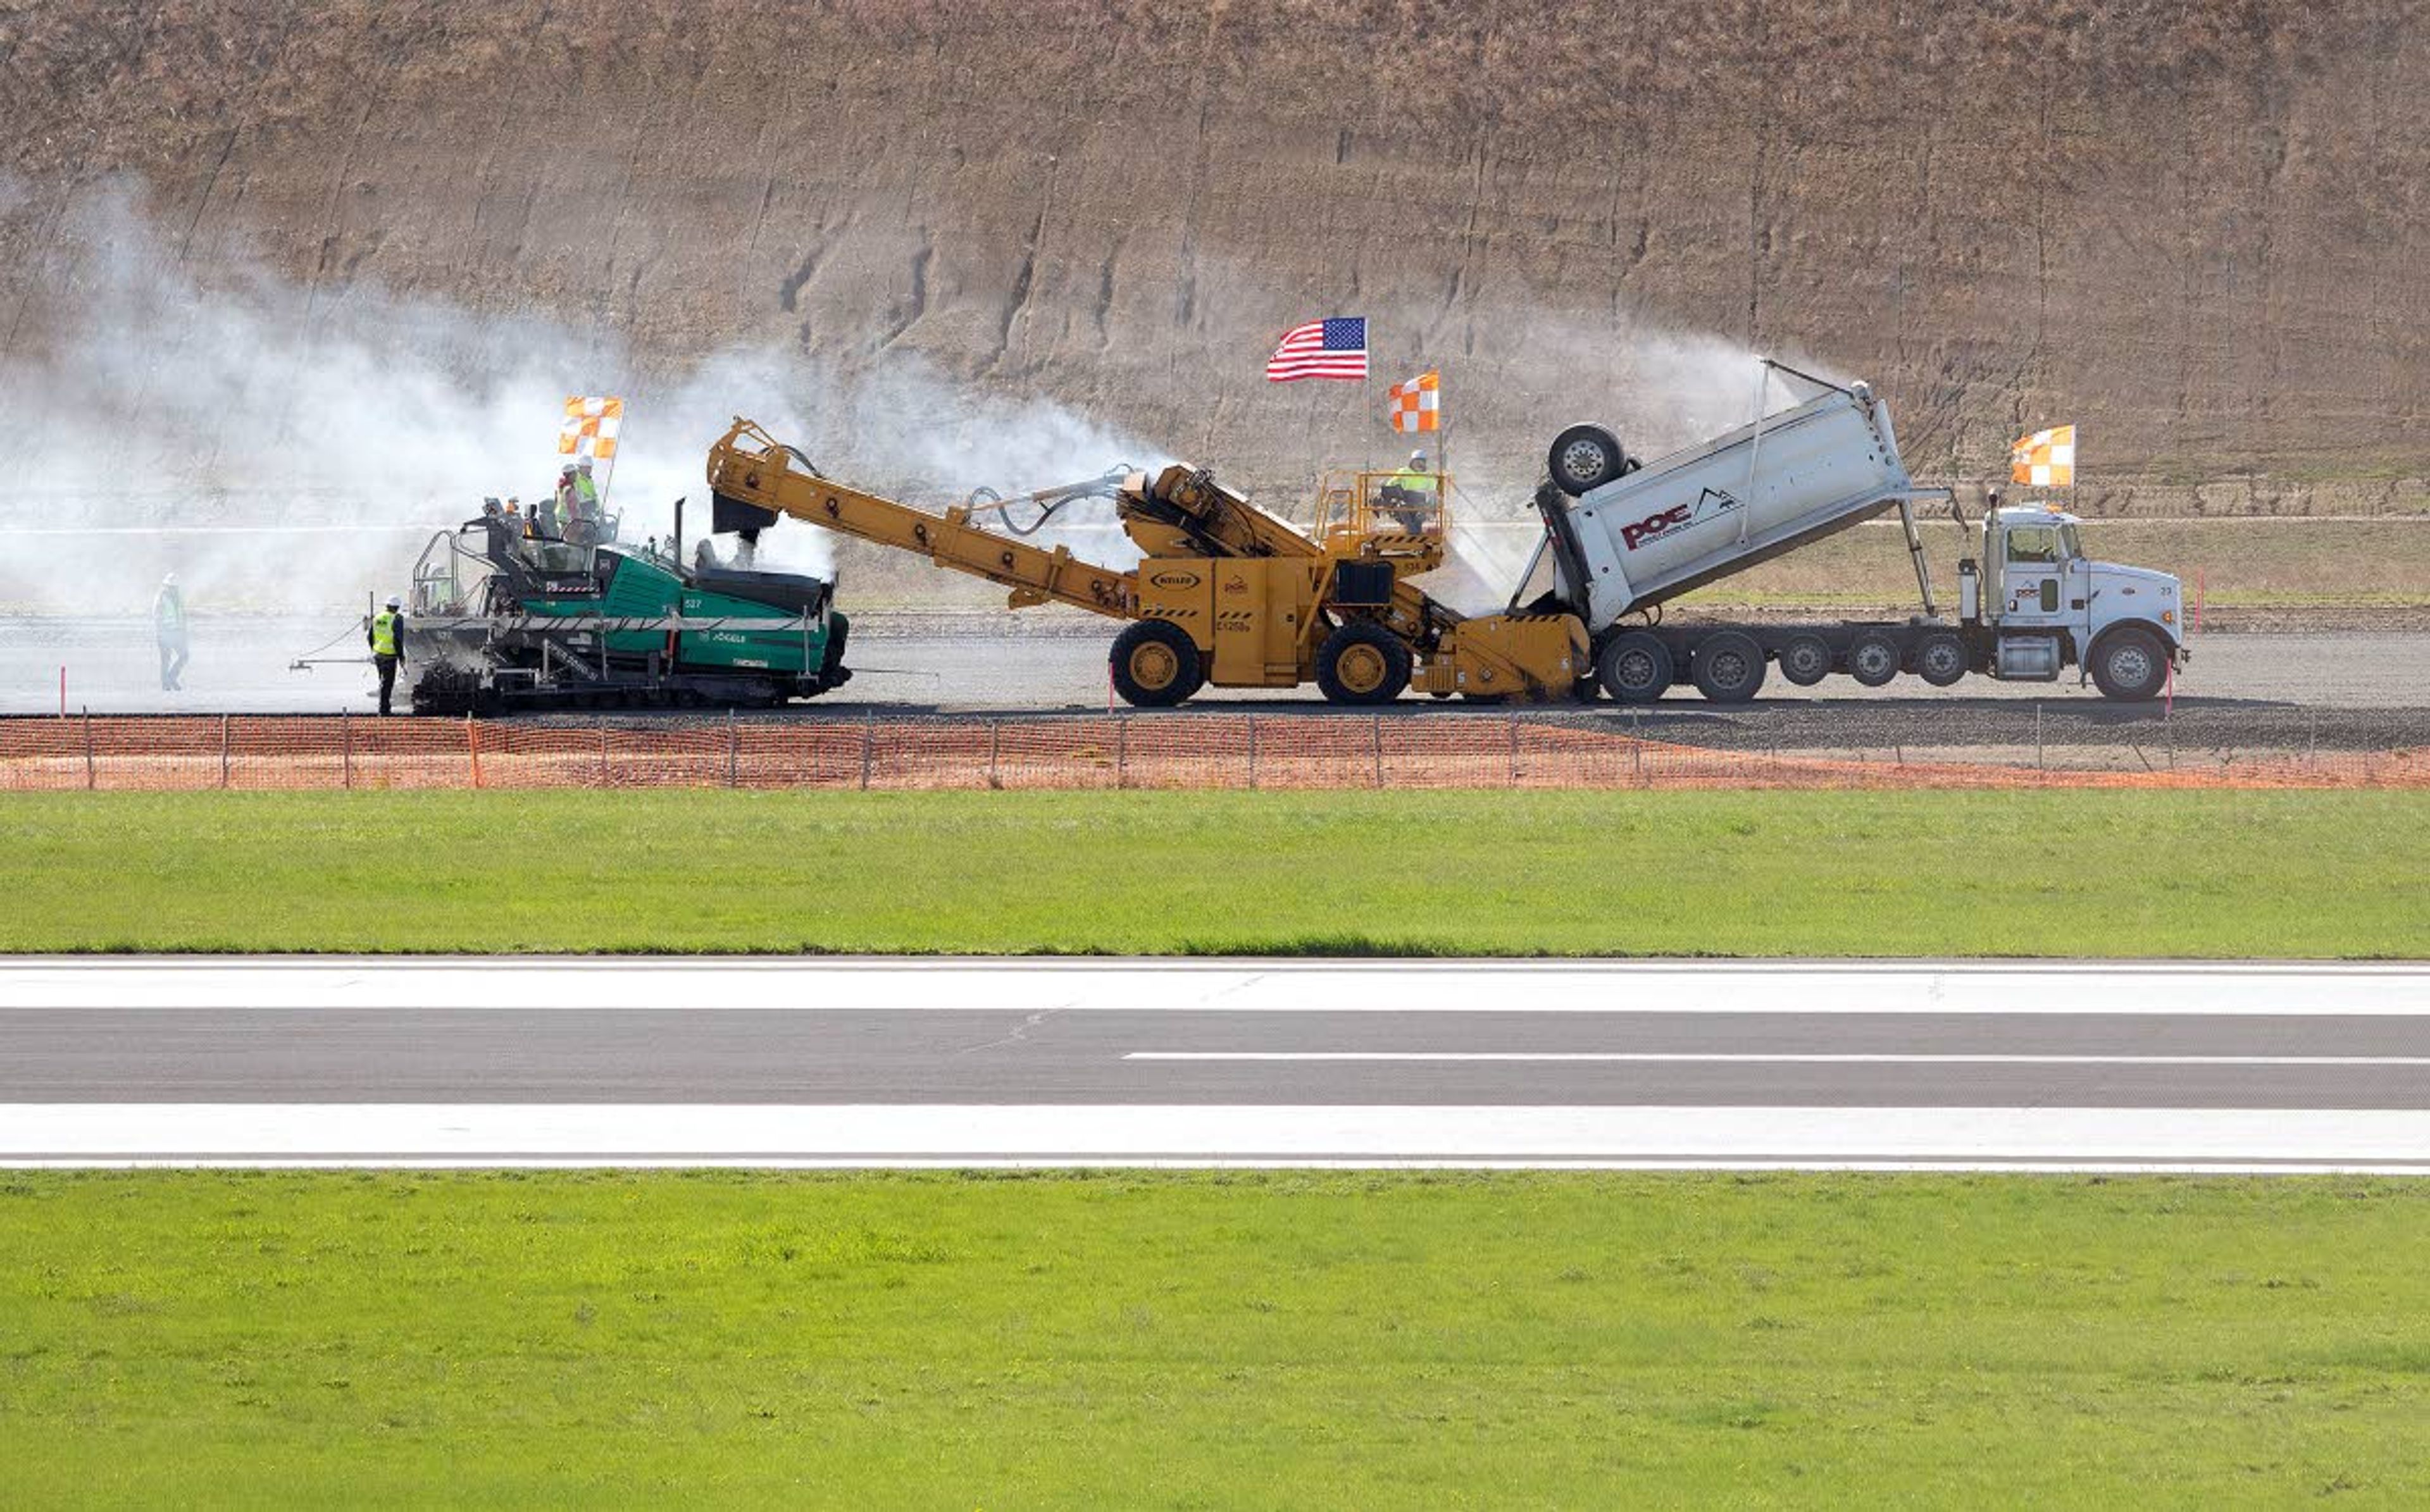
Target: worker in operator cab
{"points": [[387, 638], [1413, 493]]}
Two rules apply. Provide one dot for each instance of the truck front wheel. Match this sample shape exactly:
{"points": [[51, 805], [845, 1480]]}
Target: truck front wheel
{"points": [[1727, 667], [1634, 668], [2130, 665]]}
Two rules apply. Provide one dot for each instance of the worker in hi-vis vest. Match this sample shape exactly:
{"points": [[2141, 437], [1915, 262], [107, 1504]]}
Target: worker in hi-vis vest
{"points": [[387, 636], [1412, 492]]}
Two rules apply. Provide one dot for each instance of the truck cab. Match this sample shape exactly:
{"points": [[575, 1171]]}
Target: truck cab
{"points": [[2037, 604]]}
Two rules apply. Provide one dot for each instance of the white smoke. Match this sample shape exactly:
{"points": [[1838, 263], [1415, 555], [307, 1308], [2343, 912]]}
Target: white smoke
{"points": [[288, 446]]}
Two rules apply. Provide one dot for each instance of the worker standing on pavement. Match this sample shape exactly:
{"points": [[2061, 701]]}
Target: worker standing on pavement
{"points": [[168, 625], [387, 636]]}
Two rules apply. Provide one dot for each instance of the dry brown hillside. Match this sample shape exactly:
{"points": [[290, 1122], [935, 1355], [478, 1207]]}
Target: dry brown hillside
{"points": [[2200, 229]]}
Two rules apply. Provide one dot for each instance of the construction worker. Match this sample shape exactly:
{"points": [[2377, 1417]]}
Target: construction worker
{"points": [[546, 521], [1413, 493], [586, 490], [387, 638], [168, 626]]}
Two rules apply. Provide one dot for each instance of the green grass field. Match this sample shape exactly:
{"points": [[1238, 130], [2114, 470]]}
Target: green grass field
{"points": [[1768, 874], [1209, 1340]]}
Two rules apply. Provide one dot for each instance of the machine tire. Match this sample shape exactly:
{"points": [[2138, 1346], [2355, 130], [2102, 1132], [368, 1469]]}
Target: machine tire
{"points": [[1940, 659], [1634, 668], [1727, 667], [1362, 663], [1806, 659], [1874, 658], [2130, 665], [1583, 458], [1156, 664]]}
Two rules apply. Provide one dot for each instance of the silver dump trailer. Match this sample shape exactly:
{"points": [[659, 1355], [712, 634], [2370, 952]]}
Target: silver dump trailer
{"points": [[1624, 537]]}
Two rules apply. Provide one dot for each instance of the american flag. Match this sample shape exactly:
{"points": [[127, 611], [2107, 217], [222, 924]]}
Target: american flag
{"points": [[1335, 348]]}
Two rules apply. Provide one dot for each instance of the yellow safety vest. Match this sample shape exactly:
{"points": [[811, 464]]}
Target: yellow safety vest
{"points": [[384, 633]]}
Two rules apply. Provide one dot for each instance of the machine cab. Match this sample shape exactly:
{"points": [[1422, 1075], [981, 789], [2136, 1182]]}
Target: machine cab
{"points": [[2039, 566], [1397, 501]]}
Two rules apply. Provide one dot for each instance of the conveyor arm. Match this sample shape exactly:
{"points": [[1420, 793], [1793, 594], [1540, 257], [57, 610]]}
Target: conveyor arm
{"points": [[748, 466]]}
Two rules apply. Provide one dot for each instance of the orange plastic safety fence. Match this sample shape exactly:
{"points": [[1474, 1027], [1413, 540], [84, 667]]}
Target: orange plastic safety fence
{"points": [[1182, 751]]}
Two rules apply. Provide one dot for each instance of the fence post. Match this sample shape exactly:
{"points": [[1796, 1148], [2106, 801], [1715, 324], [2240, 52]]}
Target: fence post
{"points": [[223, 751], [2038, 735], [1514, 750], [733, 753], [1635, 748], [603, 753], [995, 736], [346, 745], [87, 746], [867, 743], [1380, 750], [1122, 752], [472, 747], [1253, 751]]}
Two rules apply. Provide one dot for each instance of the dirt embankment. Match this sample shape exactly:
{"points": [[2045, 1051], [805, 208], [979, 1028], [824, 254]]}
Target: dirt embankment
{"points": [[2196, 229]]}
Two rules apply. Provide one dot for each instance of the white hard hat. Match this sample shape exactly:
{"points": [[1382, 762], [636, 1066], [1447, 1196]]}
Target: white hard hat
{"points": [[395, 601], [584, 464], [168, 580], [1417, 458]]}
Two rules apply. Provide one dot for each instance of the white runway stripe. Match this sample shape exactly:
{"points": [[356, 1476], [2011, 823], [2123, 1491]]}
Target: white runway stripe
{"points": [[2005, 988], [1691, 1058], [960, 1135]]}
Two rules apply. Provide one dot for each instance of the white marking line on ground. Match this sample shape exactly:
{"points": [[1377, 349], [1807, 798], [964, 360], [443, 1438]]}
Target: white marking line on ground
{"points": [[1980, 990], [953, 1135], [1691, 1057]]}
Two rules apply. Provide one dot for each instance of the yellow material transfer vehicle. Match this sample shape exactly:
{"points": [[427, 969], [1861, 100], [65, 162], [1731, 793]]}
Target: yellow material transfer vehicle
{"points": [[1227, 593]]}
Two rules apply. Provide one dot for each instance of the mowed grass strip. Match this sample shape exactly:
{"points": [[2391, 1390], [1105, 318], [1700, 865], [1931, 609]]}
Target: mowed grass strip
{"points": [[1289, 1340], [1606, 873]]}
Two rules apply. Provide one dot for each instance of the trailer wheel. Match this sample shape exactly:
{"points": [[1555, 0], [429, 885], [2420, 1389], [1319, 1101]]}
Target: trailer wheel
{"points": [[2130, 665], [1874, 658], [1727, 667], [1634, 668], [1806, 660], [1362, 663], [1156, 664], [1940, 659], [1585, 457]]}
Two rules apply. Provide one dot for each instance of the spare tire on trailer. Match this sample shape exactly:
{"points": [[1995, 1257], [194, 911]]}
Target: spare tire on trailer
{"points": [[1583, 458], [1873, 657], [1156, 664], [1634, 668], [1806, 659], [1727, 667], [1362, 663], [2130, 665]]}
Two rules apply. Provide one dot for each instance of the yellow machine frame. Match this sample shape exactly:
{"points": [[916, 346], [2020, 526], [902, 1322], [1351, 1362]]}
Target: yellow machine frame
{"points": [[1227, 593]]}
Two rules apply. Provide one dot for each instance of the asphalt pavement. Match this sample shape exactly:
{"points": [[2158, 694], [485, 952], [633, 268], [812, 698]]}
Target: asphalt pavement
{"points": [[2060, 1066]]}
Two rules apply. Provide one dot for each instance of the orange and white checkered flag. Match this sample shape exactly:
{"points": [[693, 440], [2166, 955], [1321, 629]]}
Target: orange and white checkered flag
{"points": [[2045, 459], [591, 426], [1417, 404]]}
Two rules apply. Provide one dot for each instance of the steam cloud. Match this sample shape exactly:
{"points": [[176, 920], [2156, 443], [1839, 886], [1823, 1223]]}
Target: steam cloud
{"points": [[286, 446]]}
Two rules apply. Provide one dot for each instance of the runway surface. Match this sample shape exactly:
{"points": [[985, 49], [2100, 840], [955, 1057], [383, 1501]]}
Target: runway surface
{"points": [[2095, 1066]]}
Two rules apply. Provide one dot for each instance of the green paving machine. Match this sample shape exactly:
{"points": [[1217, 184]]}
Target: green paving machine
{"points": [[500, 621]]}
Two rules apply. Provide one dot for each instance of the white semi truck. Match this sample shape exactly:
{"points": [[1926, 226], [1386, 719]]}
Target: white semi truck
{"points": [[1623, 538]]}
